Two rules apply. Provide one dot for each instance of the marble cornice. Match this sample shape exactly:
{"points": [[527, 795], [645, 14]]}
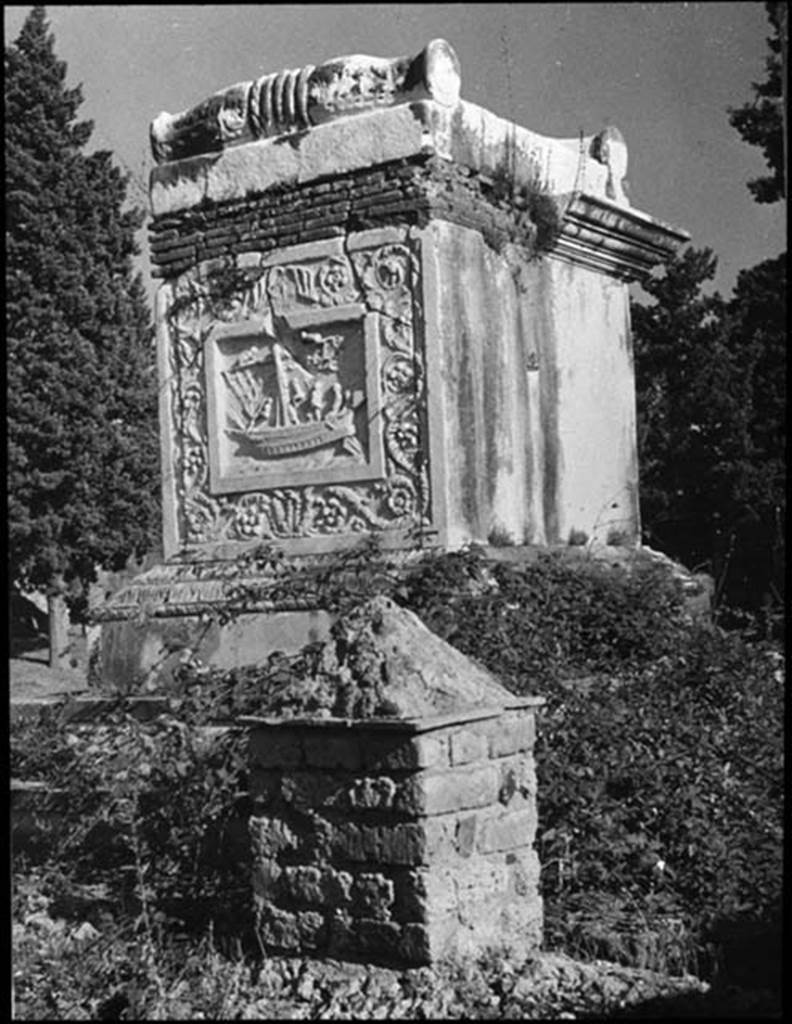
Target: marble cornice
{"points": [[617, 240]]}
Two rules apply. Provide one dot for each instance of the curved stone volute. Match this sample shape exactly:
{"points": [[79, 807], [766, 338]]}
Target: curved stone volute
{"points": [[296, 99]]}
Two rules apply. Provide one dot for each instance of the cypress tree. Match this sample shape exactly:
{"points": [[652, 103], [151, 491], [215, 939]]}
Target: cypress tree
{"points": [[762, 122], [83, 474], [711, 399]]}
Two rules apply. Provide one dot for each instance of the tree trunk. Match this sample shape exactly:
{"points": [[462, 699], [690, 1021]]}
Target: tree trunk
{"points": [[58, 630]]}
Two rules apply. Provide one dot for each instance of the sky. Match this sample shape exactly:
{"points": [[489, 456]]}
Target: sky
{"points": [[664, 73]]}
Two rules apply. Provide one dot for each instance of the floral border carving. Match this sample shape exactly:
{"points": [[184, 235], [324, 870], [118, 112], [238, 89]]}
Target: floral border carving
{"points": [[385, 279]]}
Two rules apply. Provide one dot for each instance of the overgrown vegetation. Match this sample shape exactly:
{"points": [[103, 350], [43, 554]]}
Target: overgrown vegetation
{"points": [[659, 759]]}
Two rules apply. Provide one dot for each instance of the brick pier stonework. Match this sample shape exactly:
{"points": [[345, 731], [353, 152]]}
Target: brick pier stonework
{"points": [[406, 838]]}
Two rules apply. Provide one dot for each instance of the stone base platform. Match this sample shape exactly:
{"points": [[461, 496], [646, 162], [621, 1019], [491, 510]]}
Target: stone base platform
{"points": [[231, 617]]}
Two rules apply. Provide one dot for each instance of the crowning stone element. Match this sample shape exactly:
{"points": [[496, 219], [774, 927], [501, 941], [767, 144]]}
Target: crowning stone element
{"points": [[295, 100]]}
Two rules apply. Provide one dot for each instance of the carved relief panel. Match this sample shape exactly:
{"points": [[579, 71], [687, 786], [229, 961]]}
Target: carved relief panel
{"points": [[296, 397]]}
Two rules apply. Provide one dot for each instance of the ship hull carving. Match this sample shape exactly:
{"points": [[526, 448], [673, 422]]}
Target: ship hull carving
{"points": [[292, 440]]}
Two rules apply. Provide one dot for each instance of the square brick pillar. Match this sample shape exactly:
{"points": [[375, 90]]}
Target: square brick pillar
{"points": [[396, 841]]}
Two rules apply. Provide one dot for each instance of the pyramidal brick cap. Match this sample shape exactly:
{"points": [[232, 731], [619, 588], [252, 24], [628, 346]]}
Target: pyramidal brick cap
{"points": [[386, 653]]}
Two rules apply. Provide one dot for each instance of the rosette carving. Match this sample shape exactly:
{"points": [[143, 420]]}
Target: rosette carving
{"points": [[383, 279], [334, 283], [327, 283]]}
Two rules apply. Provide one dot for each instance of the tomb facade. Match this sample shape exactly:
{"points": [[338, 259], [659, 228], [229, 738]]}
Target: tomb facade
{"points": [[384, 310]]}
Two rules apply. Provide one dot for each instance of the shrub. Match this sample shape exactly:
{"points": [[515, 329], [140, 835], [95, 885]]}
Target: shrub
{"points": [[659, 759], [156, 814], [665, 788], [530, 624]]}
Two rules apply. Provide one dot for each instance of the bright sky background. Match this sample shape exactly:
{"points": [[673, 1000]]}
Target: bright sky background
{"points": [[663, 73]]}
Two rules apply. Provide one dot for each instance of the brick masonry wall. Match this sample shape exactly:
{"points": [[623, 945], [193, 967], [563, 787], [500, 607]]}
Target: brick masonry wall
{"points": [[401, 192], [391, 847]]}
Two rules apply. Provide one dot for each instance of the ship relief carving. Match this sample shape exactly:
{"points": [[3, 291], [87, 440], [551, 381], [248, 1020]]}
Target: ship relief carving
{"points": [[282, 408], [296, 398]]}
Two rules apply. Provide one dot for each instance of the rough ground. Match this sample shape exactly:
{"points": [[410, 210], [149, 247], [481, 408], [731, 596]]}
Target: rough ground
{"points": [[553, 984], [30, 675]]}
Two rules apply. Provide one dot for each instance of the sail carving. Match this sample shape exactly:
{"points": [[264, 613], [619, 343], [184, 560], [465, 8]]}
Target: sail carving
{"points": [[283, 408]]}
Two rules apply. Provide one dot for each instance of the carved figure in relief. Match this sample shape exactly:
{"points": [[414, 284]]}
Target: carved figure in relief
{"points": [[327, 356], [610, 149], [284, 408]]}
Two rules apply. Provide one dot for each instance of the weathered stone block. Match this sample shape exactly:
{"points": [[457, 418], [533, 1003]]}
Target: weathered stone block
{"points": [[436, 892], [322, 887], [374, 794], [470, 743], [307, 790], [465, 835], [323, 750], [521, 923], [271, 836], [517, 780], [507, 831], [516, 732], [416, 944], [381, 938], [458, 789], [276, 748], [364, 938], [266, 873], [405, 862], [290, 931], [524, 869], [480, 878], [396, 844], [386, 751], [372, 896]]}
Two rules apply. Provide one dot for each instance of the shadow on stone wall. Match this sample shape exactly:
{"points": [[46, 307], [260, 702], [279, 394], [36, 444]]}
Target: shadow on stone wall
{"points": [[28, 626]]}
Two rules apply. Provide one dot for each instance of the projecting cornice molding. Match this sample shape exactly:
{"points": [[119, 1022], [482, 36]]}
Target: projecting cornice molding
{"points": [[294, 128], [621, 242]]}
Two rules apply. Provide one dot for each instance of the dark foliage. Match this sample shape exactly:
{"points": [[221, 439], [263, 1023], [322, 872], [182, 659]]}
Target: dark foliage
{"points": [[659, 758], [711, 396], [711, 410], [760, 123], [82, 419], [757, 329], [681, 819], [155, 815]]}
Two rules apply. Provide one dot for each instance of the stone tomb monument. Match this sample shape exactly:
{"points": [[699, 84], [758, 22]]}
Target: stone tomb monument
{"points": [[383, 310]]}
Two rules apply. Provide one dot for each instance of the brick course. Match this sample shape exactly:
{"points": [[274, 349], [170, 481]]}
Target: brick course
{"points": [[400, 192], [396, 847]]}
